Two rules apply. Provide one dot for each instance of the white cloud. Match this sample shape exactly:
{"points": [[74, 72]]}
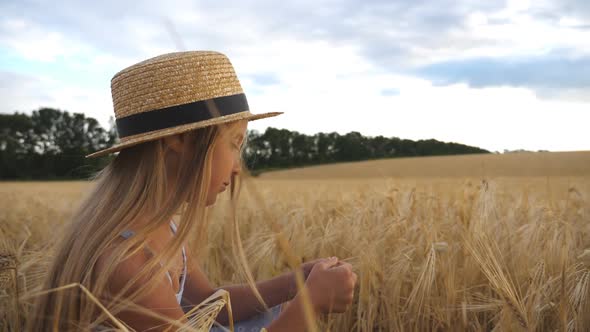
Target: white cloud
{"points": [[492, 118], [32, 42], [508, 32], [26, 94]]}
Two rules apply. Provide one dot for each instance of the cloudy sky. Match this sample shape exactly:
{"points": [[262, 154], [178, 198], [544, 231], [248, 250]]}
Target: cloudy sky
{"points": [[493, 74]]}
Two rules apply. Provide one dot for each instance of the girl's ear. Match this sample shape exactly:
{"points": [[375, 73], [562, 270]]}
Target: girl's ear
{"points": [[174, 143]]}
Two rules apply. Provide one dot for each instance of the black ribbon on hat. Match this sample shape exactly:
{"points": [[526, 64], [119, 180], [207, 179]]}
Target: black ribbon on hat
{"points": [[181, 114]]}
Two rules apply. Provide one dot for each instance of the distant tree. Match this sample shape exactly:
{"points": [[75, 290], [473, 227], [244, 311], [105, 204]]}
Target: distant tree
{"points": [[304, 149], [378, 147], [352, 146], [49, 144], [279, 142], [326, 146]]}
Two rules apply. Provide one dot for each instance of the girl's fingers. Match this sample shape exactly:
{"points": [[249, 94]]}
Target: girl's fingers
{"points": [[326, 264], [342, 266]]}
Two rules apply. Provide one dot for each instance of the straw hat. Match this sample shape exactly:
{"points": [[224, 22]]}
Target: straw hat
{"points": [[173, 93]]}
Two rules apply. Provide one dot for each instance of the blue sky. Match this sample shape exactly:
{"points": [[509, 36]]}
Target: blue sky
{"points": [[493, 74]]}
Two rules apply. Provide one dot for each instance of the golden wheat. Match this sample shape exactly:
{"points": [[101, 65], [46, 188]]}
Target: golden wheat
{"points": [[444, 254]]}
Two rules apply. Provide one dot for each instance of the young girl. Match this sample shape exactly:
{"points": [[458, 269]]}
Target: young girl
{"points": [[182, 120]]}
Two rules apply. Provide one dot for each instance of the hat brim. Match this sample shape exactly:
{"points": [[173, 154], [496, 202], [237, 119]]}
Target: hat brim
{"points": [[153, 135]]}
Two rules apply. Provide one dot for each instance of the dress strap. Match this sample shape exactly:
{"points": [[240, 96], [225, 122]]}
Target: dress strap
{"points": [[184, 270], [173, 226], [127, 234]]}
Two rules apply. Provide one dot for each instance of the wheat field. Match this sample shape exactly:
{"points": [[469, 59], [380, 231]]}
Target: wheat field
{"points": [[465, 243]]}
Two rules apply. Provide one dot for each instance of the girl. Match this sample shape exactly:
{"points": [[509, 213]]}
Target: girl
{"points": [[182, 120]]}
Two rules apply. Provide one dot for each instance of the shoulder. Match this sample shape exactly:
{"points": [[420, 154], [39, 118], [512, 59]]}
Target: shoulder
{"points": [[160, 299], [124, 270]]}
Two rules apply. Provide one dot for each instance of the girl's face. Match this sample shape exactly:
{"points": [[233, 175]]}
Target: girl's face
{"points": [[226, 159]]}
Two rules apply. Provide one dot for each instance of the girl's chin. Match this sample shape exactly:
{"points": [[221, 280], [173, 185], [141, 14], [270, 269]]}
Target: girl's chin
{"points": [[211, 201]]}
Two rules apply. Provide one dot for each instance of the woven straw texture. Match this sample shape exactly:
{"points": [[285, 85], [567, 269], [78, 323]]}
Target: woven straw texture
{"points": [[174, 79]]}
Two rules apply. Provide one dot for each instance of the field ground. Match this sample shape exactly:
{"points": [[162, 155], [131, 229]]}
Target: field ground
{"points": [[542, 164]]}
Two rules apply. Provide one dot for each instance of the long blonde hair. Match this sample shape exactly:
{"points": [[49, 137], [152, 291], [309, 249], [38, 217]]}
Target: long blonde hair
{"points": [[134, 185]]}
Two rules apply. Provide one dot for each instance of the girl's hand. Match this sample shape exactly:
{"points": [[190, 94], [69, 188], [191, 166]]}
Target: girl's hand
{"points": [[307, 266], [331, 285]]}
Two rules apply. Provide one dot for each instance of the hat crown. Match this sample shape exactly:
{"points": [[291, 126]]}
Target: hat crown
{"points": [[173, 93], [173, 79]]}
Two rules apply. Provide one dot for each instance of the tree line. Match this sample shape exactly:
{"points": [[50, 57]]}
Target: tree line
{"points": [[281, 148], [52, 144]]}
